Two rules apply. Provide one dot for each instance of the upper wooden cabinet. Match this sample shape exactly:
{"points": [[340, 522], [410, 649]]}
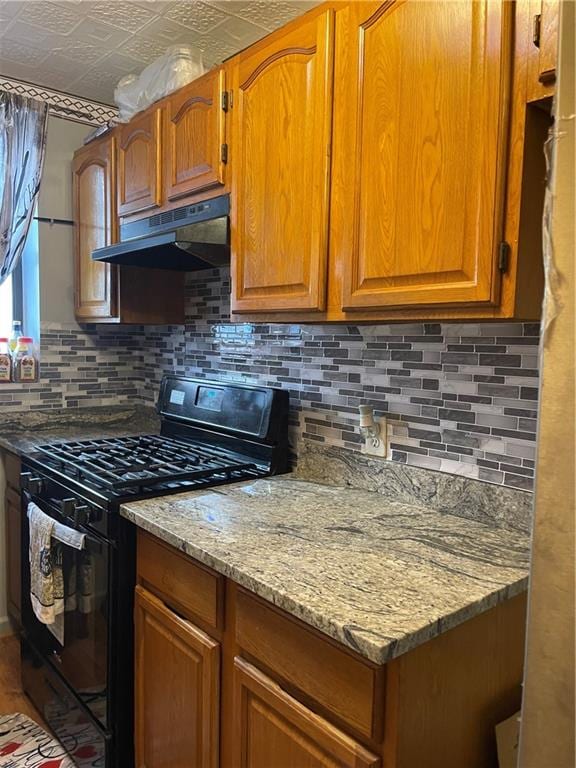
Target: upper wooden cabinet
{"points": [[420, 125], [194, 137], [280, 159], [103, 292], [95, 227], [543, 48], [140, 163]]}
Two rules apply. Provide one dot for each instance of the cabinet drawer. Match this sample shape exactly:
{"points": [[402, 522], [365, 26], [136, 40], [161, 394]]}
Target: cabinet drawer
{"points": [[189, 587], [12, 469], [344, 685]]}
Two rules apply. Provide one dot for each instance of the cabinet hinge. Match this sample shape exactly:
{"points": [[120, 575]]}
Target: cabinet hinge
{"points": [[536, 26], [224, 153], [225, 101], [503, 256]]}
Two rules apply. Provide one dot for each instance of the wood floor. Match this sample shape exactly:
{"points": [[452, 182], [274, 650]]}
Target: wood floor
{"points": [[12, 698]]}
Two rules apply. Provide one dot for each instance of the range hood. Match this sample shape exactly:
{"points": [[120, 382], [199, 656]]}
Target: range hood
{"points": [[186, 239]]}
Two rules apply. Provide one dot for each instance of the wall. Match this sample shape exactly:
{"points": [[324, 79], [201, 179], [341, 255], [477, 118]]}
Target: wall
{"points": [[548, 710], [460, 397], [56, 240]]}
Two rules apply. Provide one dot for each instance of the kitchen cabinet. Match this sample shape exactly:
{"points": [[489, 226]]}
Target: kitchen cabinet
{"points": [[272, 728], [104, 292], [195, 147], [426, 187], [177, 689], [208, 651], [95, 227], [13, 532], [420, 126], [543, 48], [280, 158], [140, 163]]}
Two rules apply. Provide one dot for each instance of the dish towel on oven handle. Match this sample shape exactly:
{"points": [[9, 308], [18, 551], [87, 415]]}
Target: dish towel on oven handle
{"points": [[46, 575]]}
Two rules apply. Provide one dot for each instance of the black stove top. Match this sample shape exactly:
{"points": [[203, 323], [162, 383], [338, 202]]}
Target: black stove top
{"points": [[211, 433], [141, 463]]}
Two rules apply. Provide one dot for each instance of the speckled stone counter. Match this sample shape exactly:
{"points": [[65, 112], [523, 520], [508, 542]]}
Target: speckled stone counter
{"points": [[378, 575], [22, 432]]}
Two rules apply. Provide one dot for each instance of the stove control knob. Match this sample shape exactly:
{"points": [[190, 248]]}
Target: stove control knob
{"points": [[34, 485], [67, 507], [81, 514]]}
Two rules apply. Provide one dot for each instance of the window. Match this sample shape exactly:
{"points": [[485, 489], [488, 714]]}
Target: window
{"points": [[19, 294]]}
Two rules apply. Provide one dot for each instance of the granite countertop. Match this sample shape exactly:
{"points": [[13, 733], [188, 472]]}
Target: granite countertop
{"points": [[22, 433], [379, 575]]}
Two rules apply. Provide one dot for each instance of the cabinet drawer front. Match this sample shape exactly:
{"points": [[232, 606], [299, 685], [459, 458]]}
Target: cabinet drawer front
{"points": [[192, 589], [343, 685], [270, 723], [12, 470]]}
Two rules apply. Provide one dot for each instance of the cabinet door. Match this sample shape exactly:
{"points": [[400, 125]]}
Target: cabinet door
{"points": [[13, 553], [139, 163], [273, 729], [95, 227], [194, 136], [177, 689], [421, 94], [545, 14], [280, 160]]}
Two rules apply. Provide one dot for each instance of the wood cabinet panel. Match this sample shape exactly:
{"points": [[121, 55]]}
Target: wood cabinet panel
{"points": [[193, 589], [93, 177], [13, 511], [12, 467], [420, 121], [345, 686], [177, 689], [280, 159], [542, 47], [194, 137], [140, 163], [273, 729]]}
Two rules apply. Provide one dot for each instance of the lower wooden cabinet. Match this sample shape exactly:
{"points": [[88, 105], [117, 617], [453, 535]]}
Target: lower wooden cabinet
{"points": [[273, 729], [224, 679], [177, 689]]}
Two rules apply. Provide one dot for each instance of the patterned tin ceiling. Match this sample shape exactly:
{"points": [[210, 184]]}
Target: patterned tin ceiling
{"points": [[84, 47]]}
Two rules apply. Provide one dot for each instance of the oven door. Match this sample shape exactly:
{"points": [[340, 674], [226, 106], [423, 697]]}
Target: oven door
{"points": [[80, 655]]}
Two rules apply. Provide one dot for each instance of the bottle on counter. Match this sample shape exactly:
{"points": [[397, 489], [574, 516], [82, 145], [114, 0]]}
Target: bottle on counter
{"points": [[24, 361], [14, 336], [5, 361]]}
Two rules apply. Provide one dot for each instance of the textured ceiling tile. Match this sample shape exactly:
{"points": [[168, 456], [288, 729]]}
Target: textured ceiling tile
{"points": [[30, 57], [268, 13], [57, 17], [86, 46], [144, 49], [239, 33], [196, 15], [124, 15]]}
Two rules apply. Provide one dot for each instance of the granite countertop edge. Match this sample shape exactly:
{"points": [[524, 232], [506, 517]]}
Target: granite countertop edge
{"points": [[378, 650]]}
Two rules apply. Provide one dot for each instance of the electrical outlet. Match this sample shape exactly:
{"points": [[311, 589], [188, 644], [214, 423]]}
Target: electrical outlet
{"points": [[377, 446]]}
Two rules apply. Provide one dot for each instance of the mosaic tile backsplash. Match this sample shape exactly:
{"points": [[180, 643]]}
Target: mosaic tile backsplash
{"points": [[460, 398]]}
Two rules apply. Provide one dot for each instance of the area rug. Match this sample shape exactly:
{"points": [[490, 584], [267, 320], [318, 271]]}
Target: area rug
{"points": [[23, 744]]}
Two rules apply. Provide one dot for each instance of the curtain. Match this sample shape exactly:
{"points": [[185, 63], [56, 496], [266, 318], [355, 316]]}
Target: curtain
{"points": [[23, 124]]}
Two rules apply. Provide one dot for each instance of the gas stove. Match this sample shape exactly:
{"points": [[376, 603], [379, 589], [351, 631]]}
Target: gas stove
{"points": [[211, 433]]}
